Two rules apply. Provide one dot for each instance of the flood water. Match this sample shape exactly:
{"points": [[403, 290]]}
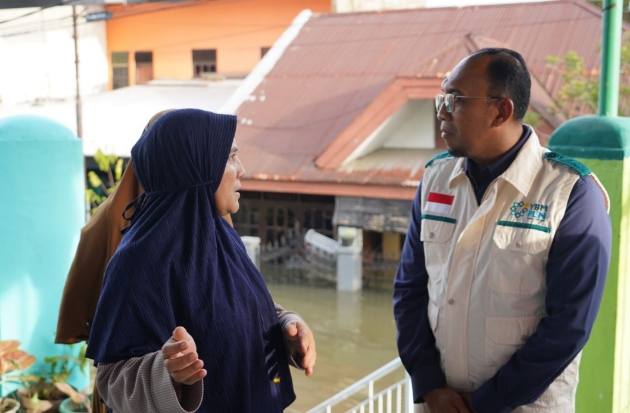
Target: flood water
{"points": [[355, 335]]}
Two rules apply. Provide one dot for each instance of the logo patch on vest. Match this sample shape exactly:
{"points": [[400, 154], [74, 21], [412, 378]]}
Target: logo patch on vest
{"points": [[530, 211], [439, 203]]}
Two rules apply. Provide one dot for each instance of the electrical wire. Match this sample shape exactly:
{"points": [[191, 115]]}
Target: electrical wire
{"points": [[29, 13]]}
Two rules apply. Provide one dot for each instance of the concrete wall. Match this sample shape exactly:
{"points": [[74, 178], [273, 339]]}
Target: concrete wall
{"points": [[344, 6], [236, 29], [37, 55]]}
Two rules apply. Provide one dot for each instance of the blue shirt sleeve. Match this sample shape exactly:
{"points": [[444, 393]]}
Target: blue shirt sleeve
{"points": [[576, 272], [416, 343]]}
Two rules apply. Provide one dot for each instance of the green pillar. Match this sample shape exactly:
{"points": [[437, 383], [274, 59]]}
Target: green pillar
{"points": [[603, 144], [612, 11]]}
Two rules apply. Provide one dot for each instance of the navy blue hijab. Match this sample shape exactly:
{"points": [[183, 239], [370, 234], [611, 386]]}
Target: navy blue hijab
{"points": [[180, 264]]}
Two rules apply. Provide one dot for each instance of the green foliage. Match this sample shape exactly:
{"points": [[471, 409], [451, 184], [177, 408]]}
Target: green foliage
{"points": [[580, 85], [532, 119], [99, 190], [626, 14], [58, 368]]}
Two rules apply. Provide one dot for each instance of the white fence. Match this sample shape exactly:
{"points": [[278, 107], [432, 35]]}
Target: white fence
{"points": [[397, 397]]}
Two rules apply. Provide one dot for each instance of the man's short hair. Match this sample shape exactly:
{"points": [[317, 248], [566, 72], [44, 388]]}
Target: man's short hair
{"points": [[508, 76]]}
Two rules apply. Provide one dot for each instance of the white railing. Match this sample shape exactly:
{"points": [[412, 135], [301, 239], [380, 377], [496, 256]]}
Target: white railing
{"points": [[395, 398]]}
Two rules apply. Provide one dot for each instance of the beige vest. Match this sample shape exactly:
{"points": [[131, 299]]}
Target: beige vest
{"points": [[486, 265]]}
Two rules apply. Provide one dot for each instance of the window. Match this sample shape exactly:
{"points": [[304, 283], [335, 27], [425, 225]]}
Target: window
{"points": [[280, 217], [274, 216], [254, 216], [204, 61], [144, 67], [120, 69]]}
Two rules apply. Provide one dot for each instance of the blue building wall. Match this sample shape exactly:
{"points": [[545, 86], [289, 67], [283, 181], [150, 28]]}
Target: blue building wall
{"points": [[42, 210]]}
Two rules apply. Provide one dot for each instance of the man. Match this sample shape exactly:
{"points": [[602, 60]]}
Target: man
{"points": [[506, 256]]}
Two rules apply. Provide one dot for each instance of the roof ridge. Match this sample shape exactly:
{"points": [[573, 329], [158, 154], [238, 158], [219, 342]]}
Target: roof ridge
{"points": [[467, 40], [471, 6], [446, 50]]}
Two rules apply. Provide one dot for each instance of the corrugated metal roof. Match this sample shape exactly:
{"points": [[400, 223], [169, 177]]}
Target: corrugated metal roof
{"points": [[339, 63]]}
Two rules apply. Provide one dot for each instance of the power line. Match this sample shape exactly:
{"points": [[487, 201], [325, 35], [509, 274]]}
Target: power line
{"points": [[41, 25], [129, 12], [117, 15], [29, 13]]}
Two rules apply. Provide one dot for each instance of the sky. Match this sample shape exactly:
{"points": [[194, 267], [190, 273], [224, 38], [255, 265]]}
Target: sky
{"points": [[449, 3]]}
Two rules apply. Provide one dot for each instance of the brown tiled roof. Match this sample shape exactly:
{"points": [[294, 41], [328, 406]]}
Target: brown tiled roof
{"points": [[339, 63]]}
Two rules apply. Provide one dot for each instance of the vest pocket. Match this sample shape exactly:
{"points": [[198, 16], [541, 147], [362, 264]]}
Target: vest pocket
{"points": [[504, 336], [437, 229], [523, 237], [436, 232], [517, 265]]}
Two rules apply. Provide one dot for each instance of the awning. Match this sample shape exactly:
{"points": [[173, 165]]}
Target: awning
{"points": [[372, 214]]}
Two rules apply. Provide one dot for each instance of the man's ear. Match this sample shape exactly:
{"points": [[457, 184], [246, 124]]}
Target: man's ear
{"points": [[505, 113]]}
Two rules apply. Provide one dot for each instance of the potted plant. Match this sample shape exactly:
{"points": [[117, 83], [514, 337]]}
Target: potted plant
{"points": [[46, 391], [12, 359], [77, 402]]}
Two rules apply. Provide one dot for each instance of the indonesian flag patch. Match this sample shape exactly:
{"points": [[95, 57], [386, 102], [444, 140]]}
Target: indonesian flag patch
{"points": [[439, 203]]}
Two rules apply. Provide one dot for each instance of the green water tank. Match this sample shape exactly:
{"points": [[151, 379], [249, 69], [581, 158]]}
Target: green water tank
{"points": [[42, 210]]}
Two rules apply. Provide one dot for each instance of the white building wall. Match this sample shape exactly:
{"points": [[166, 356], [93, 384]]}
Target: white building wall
{"points": [[37, 55], [346, 6], [411, 127]]}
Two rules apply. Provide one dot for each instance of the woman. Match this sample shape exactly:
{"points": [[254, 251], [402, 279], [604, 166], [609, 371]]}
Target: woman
{"points": [[99, 239], [181, 277]]}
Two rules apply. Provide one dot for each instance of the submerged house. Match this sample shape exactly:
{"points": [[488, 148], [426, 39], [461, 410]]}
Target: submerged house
{"points": [[338, 120]]}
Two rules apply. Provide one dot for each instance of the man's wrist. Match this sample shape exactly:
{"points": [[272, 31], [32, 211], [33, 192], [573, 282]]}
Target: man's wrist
{"points": [[426, 378], [486, 400]]}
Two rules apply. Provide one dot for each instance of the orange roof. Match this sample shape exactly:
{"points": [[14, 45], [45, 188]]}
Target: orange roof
{"points": [[346, 73]]}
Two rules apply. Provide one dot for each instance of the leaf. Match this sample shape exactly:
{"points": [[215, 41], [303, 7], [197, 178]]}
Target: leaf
{"points": [[118, 170], [8, 345], [102, 161], [68, 390], [94, 179]]}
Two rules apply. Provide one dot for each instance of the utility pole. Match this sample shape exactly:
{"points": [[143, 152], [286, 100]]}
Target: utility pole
{"points": [[78, 102], [76, 63], [608, 104]]}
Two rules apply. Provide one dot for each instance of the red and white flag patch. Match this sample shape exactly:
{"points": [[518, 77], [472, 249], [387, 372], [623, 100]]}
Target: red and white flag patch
{"points": [[439, 203]]}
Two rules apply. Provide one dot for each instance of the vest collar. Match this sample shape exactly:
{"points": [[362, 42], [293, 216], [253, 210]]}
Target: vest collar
{"points": [[520, 173], [523, 171]]}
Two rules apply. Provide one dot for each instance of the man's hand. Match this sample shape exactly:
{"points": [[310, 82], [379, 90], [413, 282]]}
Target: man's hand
{"points": [[181, 359], [301, 345], [445, 401], [467, 396]]}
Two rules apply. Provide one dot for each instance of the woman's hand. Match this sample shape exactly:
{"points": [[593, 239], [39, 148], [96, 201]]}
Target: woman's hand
{"points": [[301, 345], [181, 359]]}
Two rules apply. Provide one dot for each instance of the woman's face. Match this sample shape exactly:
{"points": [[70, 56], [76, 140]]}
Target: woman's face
{"points": [[226, 197]]}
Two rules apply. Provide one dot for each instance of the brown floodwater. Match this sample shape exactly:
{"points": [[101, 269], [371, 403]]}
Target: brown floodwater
{"points": [[355, 335]]}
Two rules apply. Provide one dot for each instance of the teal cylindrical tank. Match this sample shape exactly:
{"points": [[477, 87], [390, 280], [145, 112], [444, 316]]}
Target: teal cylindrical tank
{"points": [[42, 210]]}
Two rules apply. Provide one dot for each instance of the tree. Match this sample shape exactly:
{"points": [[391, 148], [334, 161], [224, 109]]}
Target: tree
{"points": [[580, 89], [99, 191], [626, 14]]}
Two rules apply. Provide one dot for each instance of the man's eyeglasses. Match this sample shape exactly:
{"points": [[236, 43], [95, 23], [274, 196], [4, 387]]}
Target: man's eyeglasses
{"points": [[449, 100]]}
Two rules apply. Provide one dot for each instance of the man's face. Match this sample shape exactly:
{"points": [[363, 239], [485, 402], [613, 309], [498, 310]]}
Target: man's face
{"points": [[466, 130]]}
